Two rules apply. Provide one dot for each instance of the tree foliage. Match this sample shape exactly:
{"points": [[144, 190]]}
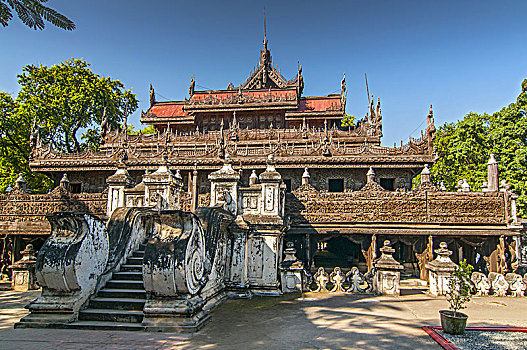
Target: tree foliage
{"points": [[60, 102], [347, 121], [33, 14], [463, 148], [68, 97]]}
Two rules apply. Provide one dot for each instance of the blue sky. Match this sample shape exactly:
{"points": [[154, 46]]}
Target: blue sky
{"points": [[460, 55]]}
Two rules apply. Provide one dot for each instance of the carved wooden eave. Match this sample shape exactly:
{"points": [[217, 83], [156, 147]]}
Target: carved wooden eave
{"points": [[349, 228]]}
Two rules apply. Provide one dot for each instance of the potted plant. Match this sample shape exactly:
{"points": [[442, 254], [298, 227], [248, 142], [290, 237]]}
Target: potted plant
{"points": [[458, 294]]}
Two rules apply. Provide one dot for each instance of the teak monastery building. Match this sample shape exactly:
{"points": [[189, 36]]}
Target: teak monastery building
{"points": [[340, 193]]}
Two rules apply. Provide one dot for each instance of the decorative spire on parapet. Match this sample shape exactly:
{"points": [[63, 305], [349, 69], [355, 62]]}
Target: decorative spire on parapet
{"points": [[162, 188], [343, 92], [426, 184], [300, 80], [430, 128], [191, 86], [305, 177], [253, 179], [65, 182], [34, 139], [20, 186], [371, 185], [152, 96]]}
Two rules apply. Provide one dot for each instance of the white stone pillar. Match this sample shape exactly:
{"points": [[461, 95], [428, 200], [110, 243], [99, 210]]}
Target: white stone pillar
{"points": [[116, 185], [162, 188], [440, 270]]}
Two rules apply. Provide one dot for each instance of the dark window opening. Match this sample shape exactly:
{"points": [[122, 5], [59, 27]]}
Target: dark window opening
{"points": [[388, 184], [336, 185], [75, 188], [287, 185]]}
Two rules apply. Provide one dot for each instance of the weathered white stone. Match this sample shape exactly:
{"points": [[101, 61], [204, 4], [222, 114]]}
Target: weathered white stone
{"points": [[516, 285], [387, 272], [292, 271], [440, 270], [481, 283], [23, 271], [499, 285]]}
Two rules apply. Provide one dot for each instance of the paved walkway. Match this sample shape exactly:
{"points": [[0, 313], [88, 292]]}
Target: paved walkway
{"points": [[311, 322]]}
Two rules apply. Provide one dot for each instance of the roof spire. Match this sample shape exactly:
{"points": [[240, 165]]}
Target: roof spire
{"points": [[265, 32]]}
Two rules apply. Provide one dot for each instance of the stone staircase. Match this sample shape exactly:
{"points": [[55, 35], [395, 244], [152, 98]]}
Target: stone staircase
{"points": [[119, 304]]}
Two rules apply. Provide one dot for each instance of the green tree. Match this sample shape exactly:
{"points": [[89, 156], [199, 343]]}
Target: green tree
{"points": [[60, 102], [463, 148], [347, 121], [15, 148], [69, 97], [33, 14]]}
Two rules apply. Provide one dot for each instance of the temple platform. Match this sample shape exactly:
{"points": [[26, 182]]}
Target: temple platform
{"points": [[314, 321]]}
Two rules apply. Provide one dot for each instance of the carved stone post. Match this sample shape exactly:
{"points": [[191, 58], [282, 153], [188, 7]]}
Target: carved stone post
{"points": [[24, 271], [387, 272], [65, 182], [370, 176], [162, 188], [425, 174], [305, 177], [292, 271], [195, 194], [440, 270], [253, 178], [493, 177], [116, 185], [224, 187]]}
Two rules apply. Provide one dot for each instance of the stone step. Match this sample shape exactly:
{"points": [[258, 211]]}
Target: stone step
{"points": [[413, 282], [134, 261], [117, 303], [134, 276], [124, 284], [122, 293], [111, 315], [138, 254], [112, 326], [131, 268]]}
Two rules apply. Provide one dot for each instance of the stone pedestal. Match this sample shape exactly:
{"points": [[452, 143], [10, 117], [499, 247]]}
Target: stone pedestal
{"points": [[224, 187], [387, 272], [24, 277], [440, 270], [291, 271], [116, 186], [162, 189]]}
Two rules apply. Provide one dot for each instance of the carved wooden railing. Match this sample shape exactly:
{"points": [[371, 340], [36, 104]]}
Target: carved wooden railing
{"points": [[21, 208], [306, 205]]}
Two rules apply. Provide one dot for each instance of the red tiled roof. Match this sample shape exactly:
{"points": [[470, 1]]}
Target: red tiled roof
{"points": [[198, 95], [319, 104], [168, 110]]}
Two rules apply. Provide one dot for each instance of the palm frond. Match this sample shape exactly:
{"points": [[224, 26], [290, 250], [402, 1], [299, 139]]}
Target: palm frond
{"points": [[52, 16], [5, 14]]}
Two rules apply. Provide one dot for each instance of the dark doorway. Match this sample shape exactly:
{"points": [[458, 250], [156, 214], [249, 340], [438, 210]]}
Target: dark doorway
{"points": [[75, 188], [287, 183], [336, 185], [338, 251]]}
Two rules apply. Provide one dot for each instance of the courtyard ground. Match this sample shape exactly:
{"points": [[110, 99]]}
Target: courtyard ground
{"points": [[289, 322]]}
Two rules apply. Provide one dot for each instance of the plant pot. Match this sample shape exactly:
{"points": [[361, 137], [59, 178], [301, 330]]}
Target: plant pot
{"points": [[453, 324]]}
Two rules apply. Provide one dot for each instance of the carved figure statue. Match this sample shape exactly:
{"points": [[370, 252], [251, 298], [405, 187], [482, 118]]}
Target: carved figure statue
{"points": [[499, 284], [337, 278], [481, 283], [152, 96], [321, 279], [356, 280], [343, 85], [516, 285], [33, 140], [192, 85]]}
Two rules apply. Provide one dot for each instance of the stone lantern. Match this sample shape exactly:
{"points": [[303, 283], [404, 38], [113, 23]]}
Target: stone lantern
{"points": [[292, 271], [24, 271], [387, 272], [440, 270]]}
